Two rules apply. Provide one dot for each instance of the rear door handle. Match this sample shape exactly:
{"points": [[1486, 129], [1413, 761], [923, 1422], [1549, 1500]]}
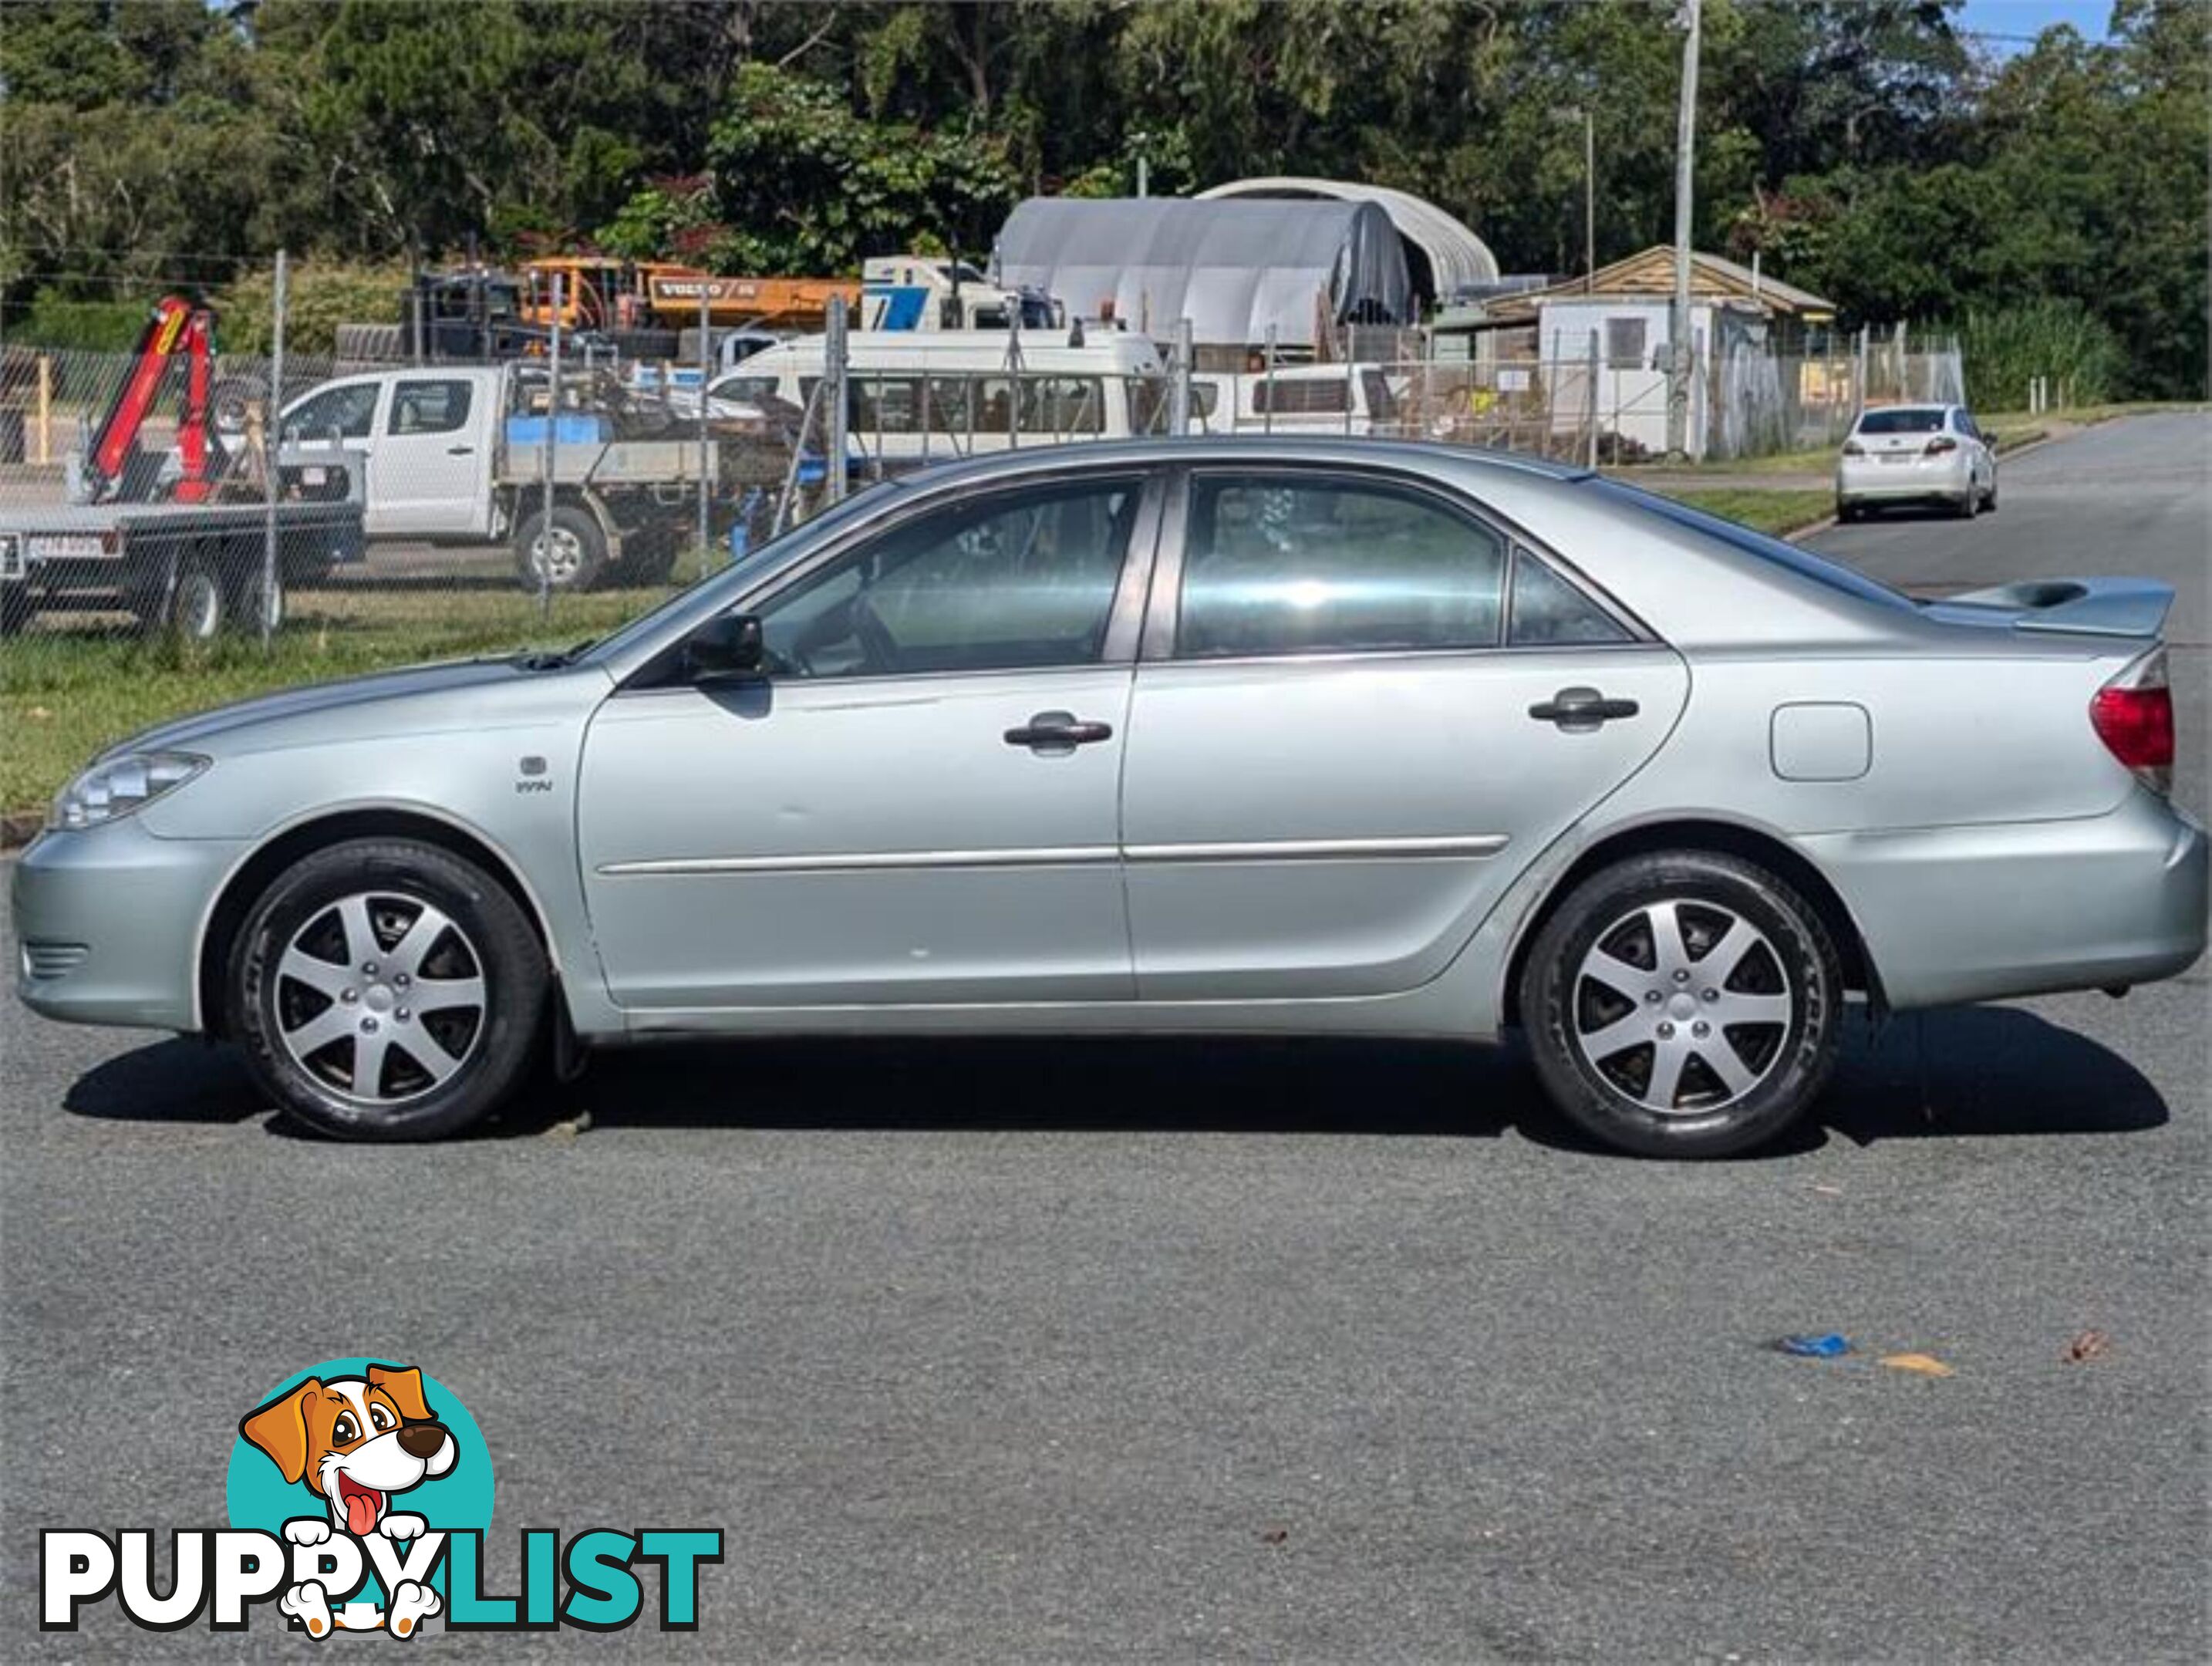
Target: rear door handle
{"points": [[459, 451], [1055, 733], [1578, 710]]}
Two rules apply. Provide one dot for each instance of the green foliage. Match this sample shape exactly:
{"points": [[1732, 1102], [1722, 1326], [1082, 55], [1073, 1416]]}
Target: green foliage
{"points": [[99, 326], [2006, 347], [1863, 148], [321, 295], [806, 186]]}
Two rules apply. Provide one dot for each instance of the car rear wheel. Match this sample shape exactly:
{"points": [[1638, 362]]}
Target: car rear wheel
{"points": [[1683, 1005], [573, 556], [387, 990]]}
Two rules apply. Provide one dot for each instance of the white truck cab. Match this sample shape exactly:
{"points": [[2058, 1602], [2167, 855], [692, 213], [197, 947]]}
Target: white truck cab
{"points": [[429, 435], [457, 455]]}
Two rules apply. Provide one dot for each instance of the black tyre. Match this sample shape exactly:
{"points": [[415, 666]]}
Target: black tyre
{"points": [[1846, 512], [16, 608], [1969, 506], [1683, 1005], [195, 607], [252, 598], [574, 557], [387, 990]]}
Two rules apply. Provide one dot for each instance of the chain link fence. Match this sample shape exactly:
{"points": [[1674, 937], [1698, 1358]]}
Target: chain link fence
{"points": [[177, 528]]}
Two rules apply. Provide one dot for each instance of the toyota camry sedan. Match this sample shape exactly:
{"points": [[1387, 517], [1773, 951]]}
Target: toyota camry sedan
{"points": [[1222, 737]]}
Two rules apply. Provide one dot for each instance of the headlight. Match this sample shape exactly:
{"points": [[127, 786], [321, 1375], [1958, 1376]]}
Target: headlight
{"points": [[117, 787]]}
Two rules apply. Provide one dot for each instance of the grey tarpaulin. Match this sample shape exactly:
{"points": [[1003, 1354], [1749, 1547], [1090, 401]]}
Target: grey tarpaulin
{"points": [[1232, 268]]}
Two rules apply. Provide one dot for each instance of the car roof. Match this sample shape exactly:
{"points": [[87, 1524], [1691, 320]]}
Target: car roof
{"points": [[1196, 449]]}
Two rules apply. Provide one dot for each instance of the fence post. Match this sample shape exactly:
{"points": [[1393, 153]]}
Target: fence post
{"points": [[1589, 401], [706, 375], [834, 372], [1179, 418], [271, 447], [544, 551], [1351, 380], [46, 408], [1268, 423]]}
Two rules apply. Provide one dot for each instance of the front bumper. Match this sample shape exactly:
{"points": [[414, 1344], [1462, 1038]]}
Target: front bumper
{"points": [[108, 922], [1869, 480], [1964, 914]]}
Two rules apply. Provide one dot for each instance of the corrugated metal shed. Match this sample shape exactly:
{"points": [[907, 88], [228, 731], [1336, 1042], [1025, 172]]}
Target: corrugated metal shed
{"points": [[1457, 258], [1232, 268]]}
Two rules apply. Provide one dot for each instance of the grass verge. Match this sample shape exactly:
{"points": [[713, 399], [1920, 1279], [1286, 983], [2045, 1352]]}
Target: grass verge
{"points": [[1776, 511], [65, 693]]}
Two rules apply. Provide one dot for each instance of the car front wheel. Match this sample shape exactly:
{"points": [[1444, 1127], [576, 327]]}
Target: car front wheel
{"points": [[388, 990], [1683, 1005]]}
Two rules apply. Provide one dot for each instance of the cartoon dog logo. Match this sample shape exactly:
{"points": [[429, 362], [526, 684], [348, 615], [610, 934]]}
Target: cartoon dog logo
{"points": [[355, 1442]]}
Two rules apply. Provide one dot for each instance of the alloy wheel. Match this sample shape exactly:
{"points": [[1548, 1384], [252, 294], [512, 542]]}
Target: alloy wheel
{"points": [[1682, 1007], [381, 997]]}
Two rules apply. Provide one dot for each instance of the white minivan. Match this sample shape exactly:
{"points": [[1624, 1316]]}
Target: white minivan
{"points": [[1301, 398], [919, 397]]}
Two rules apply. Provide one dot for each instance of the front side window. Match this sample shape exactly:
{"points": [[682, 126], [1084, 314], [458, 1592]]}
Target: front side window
{"points": [[1284, 565], [439, 407], [1017, 581], [343, 412]]}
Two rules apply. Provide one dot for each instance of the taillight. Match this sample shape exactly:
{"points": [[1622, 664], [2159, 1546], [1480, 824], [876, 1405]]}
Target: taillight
{"points": [[2133, 715], [1853, 448], [1940, 444]]}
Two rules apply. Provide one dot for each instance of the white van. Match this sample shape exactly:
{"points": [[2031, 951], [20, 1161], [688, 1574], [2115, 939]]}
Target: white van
{"points": [[919, 396], [1300, 398]]}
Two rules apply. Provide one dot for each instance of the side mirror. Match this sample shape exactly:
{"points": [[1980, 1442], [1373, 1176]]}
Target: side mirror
{"points": [[729, 645]]}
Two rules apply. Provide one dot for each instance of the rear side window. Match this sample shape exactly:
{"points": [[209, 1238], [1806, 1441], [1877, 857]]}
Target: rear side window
{"points": [[1550, 612], [1276, 565]]}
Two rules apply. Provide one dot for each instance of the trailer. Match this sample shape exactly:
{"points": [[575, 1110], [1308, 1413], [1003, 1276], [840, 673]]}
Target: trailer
{"points": [[181, 538]]}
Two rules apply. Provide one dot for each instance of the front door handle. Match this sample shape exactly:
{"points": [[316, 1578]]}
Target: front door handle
{"points": [[1056, 732], [1577, 711], [459, 451]]}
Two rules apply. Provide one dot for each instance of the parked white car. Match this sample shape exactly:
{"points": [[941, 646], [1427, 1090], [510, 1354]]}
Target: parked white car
{"points": [[1924, 454]]}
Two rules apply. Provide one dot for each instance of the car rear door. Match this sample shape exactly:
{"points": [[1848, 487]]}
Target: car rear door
{"points": [[1342, 748], [919, 802]]}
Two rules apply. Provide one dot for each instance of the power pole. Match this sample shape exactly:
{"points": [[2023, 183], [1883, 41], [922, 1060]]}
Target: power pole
{"points": [[1678, 355], [1590, 201]]}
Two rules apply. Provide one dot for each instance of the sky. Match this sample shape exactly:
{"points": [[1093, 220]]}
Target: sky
{"points": [[2029, 18]]}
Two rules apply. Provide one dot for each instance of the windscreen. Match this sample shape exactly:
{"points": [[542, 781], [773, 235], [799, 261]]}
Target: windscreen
{"points": [[1819, 570]]}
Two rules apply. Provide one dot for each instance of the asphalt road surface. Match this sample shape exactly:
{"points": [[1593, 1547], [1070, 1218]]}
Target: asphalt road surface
{"points": [[1112, 1350]]}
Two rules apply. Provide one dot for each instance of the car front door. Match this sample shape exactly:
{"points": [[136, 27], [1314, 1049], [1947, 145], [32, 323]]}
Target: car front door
{"points": [[918, 802], [428, 477], [1361, 711]]}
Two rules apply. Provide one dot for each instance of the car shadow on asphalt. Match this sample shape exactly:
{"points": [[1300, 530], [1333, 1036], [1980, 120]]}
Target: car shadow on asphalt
{"points": [[1975, 1072]]}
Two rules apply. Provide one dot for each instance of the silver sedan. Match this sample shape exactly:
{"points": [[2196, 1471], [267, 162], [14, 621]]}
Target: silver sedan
{"points": [[1206, 736]]}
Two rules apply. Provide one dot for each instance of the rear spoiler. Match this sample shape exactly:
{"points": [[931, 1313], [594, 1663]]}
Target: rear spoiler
{"points": [[2099, 607]]}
